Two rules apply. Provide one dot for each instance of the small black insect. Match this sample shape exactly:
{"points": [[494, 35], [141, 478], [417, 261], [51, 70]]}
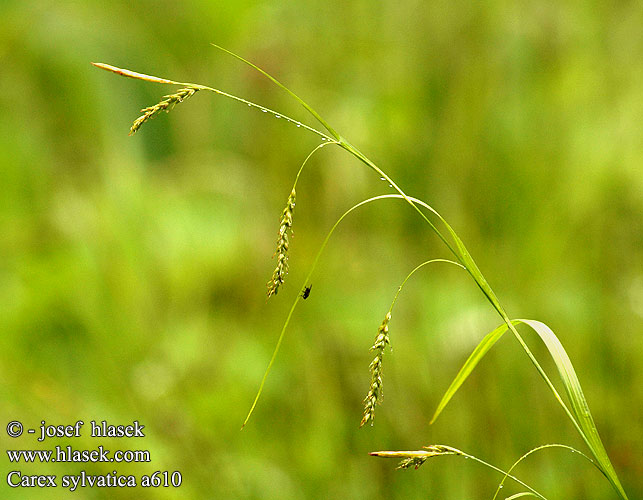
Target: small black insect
{"points": [[306, 292]]}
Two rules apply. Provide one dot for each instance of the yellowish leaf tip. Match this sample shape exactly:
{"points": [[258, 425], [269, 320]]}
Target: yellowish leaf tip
{"points": [[133, 74]]}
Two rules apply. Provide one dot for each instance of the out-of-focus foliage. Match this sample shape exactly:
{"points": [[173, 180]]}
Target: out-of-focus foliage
{"points": [[133, 269]]}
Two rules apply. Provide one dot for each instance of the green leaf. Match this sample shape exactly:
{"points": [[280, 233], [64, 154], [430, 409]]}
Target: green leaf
{"points": [[580, 408], [481, 349], [279, 84]]}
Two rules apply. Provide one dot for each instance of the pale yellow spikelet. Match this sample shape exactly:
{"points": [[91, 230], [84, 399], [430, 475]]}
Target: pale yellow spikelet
{"points": [[375, 389], [417, 457], [168, 102], [285, 227], [133, 74]]}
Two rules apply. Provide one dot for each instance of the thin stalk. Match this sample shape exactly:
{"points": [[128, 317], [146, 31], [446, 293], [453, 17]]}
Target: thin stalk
{"points": [[374, 394], [360, 156], [298, 298], [279, 84], [543, 447], [155, 79], [308, 158], [507, 474], [399, 289], [266, 110], [418, 457]]}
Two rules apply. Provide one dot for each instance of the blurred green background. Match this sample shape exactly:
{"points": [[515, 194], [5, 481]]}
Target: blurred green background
{"points": [[133, 269]]}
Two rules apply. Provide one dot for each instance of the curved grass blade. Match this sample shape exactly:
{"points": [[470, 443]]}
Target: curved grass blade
{"points": [[381, 340], [278, 83], [539, 448], [579, 406], [465, 257], [478, 353], [133, 74], [582, 418]]}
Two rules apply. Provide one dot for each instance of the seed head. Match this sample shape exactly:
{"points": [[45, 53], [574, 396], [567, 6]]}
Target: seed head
{"points": [[375, 390], [285, 227], [168, 102]]}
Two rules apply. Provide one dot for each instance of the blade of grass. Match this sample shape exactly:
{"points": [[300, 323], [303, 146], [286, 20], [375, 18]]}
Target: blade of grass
{"points": [[579, 405], [478, 353], [579, 412], [278, 83]]}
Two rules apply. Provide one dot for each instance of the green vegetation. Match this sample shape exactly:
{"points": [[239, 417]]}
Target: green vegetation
{"points": [[579, 414]]}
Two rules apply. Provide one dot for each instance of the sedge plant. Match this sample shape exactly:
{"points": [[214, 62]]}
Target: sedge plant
{"points": [[574, 406]]}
